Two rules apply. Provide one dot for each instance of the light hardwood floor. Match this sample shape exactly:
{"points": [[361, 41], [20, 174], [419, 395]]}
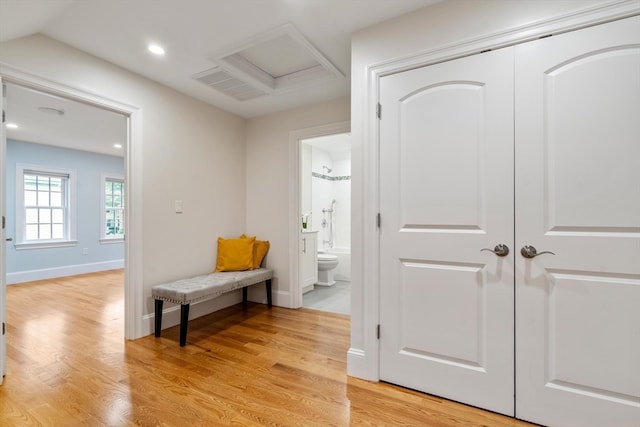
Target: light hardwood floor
{"points": [[69, 365]]}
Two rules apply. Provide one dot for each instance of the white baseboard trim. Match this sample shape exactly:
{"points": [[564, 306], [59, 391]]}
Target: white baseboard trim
{"points": [[358, 365], [258, 294], [171, 315], [67, 270]]}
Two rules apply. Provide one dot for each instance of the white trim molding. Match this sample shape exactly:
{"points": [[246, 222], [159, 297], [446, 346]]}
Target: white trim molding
{"points": [[598, 14], [67, 270], [171, 314], [45, 245], [104, 177], [69, 206], [364, 362], [295, 138]]}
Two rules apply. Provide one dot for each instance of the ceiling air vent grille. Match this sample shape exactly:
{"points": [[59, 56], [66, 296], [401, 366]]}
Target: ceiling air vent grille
{"points": [[224, 82]]}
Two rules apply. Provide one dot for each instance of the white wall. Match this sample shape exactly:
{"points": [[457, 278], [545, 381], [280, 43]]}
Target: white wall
{"points": [[437, 27], [269, 177], [321, 195], [342, 192], [324, 190], [191, 151]]}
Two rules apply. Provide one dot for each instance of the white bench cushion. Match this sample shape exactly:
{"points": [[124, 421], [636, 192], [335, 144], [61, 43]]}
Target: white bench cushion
{"points": [[199, 288]]}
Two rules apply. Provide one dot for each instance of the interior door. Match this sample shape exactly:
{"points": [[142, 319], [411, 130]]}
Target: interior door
{"points": [[3, 270], [446, 193], [578, 195]]}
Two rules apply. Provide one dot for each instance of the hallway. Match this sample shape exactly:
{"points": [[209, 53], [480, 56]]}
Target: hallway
{"points": [[68, 364]]}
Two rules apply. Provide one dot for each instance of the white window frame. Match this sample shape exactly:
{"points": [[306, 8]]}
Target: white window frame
{"points": [[104, 238], [70, 202]]}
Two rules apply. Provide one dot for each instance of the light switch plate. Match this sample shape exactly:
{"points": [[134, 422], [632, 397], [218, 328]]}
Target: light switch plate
{"points": [[178, 206]]}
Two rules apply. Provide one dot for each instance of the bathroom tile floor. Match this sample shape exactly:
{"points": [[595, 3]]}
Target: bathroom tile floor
{"points": [[335, 299]]}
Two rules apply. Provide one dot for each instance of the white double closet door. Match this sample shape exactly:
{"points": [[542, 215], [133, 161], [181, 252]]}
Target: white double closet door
{"points": [[535, 145]]}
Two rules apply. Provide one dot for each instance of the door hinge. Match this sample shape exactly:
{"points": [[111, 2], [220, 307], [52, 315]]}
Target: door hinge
{"points": [[3, 328], [378, 220], [4, 222], [379, 111], [378, 331]]}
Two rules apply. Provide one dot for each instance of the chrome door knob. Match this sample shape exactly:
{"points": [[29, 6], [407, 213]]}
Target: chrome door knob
{"points": [[500, 250], [531, 252]]}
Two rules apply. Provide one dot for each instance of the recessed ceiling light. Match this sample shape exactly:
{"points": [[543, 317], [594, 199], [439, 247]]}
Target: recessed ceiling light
{"points": [[117, 145], [154, 48], [12, 126]]}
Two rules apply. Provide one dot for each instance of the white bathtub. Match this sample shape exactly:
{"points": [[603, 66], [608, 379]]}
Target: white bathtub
{"points": [[343, 270]]}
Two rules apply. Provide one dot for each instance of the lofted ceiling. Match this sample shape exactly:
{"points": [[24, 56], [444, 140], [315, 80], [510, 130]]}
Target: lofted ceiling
{"points": [[302, 41], [196, 34]]}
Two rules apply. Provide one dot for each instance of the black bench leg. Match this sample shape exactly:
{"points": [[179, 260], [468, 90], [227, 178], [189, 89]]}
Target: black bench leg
{"points": [[158, 317], [244, 298], [184, 321], [269, 300]]}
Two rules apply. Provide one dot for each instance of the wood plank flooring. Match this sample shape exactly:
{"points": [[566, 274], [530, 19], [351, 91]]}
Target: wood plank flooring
{"points": [[69, 365]]}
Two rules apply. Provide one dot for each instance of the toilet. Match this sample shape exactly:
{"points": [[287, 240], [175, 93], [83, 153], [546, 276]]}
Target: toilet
{"points": [[326, 264]]}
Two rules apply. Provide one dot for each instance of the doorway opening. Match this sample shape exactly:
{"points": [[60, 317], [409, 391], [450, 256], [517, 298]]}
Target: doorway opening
{"points": [[325, 213], [65, 180], [297, 245], [133, 327]]}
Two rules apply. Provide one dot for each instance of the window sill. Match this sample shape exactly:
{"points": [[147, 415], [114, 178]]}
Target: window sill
{"points": [[46, 245], [111, 240]]}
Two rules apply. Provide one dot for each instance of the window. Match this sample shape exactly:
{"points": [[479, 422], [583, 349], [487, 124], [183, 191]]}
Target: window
{"points": [[112, 208], [44, 214]]}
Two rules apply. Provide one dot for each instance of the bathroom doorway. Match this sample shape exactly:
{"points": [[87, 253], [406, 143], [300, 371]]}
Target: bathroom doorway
{"points": [[325, 222]]}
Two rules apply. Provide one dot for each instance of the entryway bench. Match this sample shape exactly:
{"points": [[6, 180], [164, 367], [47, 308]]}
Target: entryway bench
{"points": [[201, 288]]}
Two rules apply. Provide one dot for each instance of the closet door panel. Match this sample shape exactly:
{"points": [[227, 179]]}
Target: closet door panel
{"points": [[446, 192], [577, 174], [589, 105]]}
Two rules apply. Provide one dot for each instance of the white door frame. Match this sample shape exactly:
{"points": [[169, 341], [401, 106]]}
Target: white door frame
{"points": [[295, 138], [133, 287], [364, 362], [3, 269]]}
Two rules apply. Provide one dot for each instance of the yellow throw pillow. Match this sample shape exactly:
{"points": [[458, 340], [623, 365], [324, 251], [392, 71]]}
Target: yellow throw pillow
{"points": [[235, 254], [260, 249]]}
